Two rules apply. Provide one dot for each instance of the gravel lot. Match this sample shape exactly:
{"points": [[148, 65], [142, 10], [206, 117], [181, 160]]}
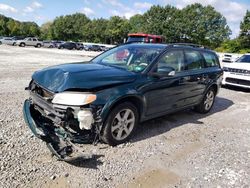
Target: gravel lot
{"points": [[185, 149]]}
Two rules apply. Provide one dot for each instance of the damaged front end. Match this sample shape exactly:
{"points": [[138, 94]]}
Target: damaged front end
{"points": [[53, 119]]}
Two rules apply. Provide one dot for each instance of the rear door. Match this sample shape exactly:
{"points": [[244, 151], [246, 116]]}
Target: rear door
{"points": [[197, 76]]}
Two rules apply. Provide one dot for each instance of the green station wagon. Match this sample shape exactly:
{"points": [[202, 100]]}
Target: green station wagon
{"points": [[106, 98]]}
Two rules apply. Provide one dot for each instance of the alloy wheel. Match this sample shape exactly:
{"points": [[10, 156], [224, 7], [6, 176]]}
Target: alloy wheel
{"points": [[123, 124], [209, 100]]}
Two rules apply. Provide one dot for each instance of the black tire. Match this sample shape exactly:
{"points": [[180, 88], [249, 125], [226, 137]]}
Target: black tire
{"points": [[125, 125], [207, 102], [0, 42], [22, 44], [38, 45], [14, 44]]}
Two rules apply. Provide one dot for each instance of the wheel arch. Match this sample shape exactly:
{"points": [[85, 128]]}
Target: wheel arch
{"points": [[215, 87], [137, 101]]}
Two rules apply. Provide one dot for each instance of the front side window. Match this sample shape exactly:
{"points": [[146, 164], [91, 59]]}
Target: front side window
{"points": [[210, 59], [134, 57], [193, 60], [171, 61]]}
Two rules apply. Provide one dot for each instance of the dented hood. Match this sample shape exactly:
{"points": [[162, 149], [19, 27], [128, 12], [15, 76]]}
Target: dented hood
{"points": [[81, 76]]}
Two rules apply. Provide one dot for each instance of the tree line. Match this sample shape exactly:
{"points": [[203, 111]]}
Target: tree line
{"points": [[241, 44], [194, 24], [11, 27]]}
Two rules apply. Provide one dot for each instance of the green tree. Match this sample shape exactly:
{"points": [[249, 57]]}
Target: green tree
{"points": [[96, 31], [13, 27], [245, 31], [204, 25], [46, 31], [29, 29], [166, 21], [117, 29], [137, 24], [70, 27]]}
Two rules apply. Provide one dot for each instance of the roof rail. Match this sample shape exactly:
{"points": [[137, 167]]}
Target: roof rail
{"points": [[188, 44]]}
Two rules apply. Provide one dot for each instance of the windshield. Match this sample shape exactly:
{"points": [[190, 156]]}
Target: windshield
{"points": [[133, 57], [244, 59]]}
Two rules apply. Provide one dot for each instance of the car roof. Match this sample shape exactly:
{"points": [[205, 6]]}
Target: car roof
{"points": [[170, 45]]}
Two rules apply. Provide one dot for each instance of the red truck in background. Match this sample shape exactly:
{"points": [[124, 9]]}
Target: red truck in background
{"points": [[143, 37]]}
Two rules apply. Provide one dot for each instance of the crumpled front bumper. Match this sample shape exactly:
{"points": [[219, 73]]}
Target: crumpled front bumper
{"points": [[55, 138]]}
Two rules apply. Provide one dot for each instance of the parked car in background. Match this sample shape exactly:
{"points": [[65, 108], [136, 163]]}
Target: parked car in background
{"points": [[95, 48], [143, 37], [109, 96], [18, 37], [238, 72], [227, 58], [49, 44], [57, 43], [104, 48], [86, 47], [68, 45], [8, 41], [30, 41], [79, 46]]}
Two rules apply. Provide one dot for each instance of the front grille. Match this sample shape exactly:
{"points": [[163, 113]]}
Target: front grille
{"points": [[238, 81], [240, 71]]}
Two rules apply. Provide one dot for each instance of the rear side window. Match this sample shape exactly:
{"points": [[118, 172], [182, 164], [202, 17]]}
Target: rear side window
{"points": [[193, 60], [210, 59]]}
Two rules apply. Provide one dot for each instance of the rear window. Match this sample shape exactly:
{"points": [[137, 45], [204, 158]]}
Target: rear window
{"points": [[210, 59]]}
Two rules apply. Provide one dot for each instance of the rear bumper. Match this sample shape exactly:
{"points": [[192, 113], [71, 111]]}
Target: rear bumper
{"points": [[56, 138]]}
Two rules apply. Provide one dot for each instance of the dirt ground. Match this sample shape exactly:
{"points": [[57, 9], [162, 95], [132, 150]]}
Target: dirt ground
{"points": [[184, 149]]}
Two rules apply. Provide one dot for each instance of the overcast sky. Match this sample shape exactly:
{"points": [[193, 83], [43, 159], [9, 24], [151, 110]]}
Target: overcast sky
{"points": [[42, 11]]}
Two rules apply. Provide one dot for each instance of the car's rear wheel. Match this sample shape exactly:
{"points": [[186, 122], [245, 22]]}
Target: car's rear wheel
{"points": [[120, 124], [22, 44], [39, 45], [207, 102]]}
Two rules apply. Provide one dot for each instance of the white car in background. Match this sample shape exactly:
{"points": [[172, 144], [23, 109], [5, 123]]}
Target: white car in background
{"points": [[238, 72], [8, 41]]}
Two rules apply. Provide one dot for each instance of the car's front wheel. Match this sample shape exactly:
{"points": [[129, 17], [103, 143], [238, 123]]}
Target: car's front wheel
{"points": [[207, 102], [120, 124]]}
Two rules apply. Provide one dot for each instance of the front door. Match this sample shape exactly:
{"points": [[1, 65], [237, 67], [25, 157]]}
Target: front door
{"points": [[164, 94]]}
